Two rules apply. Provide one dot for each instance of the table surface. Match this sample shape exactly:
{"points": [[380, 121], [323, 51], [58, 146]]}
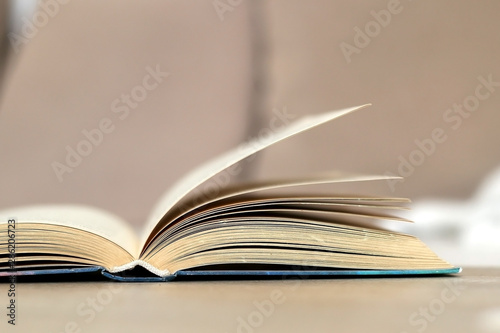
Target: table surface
{"points": [[469, 302]]}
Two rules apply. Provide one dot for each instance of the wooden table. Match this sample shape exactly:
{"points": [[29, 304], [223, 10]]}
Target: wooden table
{"points": [[468, 303]]}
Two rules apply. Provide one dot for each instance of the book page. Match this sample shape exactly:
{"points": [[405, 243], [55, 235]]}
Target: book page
{"points": [[195, 200], [81, 217], [199, 175], [238, 194], [274, 184]]}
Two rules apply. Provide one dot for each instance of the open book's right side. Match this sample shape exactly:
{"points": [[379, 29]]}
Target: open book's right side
{"points": [[244, 226]]}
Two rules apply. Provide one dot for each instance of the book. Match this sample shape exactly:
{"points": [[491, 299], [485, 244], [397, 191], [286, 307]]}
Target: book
{"points": [[206, 225]]}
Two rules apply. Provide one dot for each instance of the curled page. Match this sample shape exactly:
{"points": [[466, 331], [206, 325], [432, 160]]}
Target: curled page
{"points": [[211, 168]]}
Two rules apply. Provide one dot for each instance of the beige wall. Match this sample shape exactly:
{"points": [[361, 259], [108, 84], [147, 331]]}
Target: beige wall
{"points": [[426, 59], [67, 76]]}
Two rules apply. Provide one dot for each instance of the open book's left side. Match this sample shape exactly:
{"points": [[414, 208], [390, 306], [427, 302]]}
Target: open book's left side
{"points": [[66, 236]]}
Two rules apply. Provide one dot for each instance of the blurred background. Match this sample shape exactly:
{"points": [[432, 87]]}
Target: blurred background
{"points": [[158, 87]]}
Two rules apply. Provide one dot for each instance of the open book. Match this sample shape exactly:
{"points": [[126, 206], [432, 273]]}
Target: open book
{"points": [[202, 227]]}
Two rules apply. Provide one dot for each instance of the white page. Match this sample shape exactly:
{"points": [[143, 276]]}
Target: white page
{"points": [[209, 169]]}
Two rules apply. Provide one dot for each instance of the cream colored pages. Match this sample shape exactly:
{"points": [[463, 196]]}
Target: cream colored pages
{"points": [[192, 202], [81, 217], [199, 175], [321, 178]]}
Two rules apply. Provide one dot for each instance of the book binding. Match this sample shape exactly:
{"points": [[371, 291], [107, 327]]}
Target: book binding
{"points": [[219, 274]]}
